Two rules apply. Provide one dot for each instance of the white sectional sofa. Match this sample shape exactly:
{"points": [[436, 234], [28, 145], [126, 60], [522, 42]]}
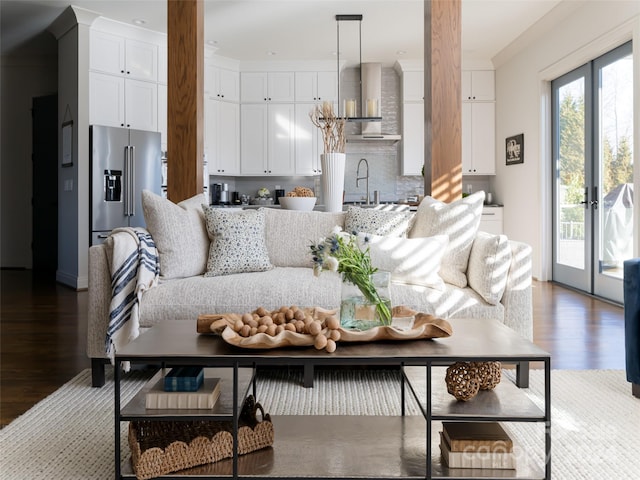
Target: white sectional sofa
{"points": [[497, 273]]}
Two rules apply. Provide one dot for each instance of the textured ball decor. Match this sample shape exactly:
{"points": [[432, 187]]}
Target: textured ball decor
{"points": [[465, 379], [462, 381]]}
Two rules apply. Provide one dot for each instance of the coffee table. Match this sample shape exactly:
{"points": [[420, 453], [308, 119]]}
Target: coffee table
{"points": [[332, 447]]}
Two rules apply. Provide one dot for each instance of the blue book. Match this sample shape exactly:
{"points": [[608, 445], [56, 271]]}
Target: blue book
{"points": [[184, 379]]}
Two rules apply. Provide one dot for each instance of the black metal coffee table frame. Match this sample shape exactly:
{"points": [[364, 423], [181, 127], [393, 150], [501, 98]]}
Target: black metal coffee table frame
{"points": [[365, 444]]}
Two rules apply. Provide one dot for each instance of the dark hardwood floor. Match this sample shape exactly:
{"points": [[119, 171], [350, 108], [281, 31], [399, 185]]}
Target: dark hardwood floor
{"points": [[43, 331]]}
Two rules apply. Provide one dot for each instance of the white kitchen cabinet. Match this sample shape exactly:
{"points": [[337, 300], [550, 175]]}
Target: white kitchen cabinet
{"points": [[163, 65], [316, 86], [478, 138], [221, 137], [412, 138], [162, 115], [123, 57], [260, 87], [478, 85], [308, 142], [267, 141], [412, 86], [222, 83], [122, 102], [492, 220]]}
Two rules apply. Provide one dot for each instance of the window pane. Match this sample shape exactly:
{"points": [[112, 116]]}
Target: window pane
{"points": [[615, 139], [571, 182]]}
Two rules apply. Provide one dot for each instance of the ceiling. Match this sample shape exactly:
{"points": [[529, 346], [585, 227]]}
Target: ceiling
{"points": [[255, 30]]}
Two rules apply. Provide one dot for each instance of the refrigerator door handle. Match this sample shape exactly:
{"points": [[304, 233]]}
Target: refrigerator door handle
{"points": [[132, 181], [127, 179]]}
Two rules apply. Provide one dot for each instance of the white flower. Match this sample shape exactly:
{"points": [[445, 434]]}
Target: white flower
{"points": [[264, 192], [332, 263], [337, 229]]}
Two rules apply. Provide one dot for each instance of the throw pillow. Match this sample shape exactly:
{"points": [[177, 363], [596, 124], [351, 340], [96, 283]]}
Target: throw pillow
{"points": [[237, 241], [179, 232], [378, 222], [413, 261], [459, 220], [289, 233], [489, 266]]}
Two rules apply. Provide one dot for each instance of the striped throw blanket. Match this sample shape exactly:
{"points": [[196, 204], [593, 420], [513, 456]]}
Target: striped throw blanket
{"points": [[134, 268]]}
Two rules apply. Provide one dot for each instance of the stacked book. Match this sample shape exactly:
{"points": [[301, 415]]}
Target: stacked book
{"points": [[476, 445], [182, 388]]}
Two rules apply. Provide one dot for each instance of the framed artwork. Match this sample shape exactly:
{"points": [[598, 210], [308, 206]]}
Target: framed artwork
{"points": [[515, 149]]}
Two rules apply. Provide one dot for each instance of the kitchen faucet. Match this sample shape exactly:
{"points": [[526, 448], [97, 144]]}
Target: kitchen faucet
{"points": [[366, 177]]}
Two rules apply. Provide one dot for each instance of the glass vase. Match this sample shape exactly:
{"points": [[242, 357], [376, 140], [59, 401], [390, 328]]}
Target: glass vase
{"points": [[366, 303]]}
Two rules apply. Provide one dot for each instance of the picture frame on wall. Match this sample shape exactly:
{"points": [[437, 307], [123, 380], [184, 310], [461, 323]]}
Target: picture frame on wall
{"points": [[514, 149]]}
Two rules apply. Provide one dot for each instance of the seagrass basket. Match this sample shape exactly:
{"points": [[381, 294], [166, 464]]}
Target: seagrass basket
{"points": [[162, 447]]}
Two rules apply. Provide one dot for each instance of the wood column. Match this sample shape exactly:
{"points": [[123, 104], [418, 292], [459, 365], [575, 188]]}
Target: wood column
{"points": [[443, 99], [185, 108]]}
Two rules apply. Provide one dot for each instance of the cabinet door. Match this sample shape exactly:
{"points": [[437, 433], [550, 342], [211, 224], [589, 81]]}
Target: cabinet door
{"points": [[281, 87], [162, 115], [412, 86], [253, 87], [280, 139], [412, 138], [467, 151], [228, 135], [307, 146], [483, 143], [106, 100], [327, 87], [229, 85], [141, 60], [210, 80], [106, 53], [483, 85], [163, 65], [466, 85], [141, 105], [306, 86], [253, 139]]}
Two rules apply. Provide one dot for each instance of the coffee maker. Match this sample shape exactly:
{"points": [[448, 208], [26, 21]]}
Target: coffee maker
{"points": [[220, 194]]}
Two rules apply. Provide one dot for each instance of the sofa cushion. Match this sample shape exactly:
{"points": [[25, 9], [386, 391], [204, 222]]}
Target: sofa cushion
{"points": [[185, 299], [179, 232], [237, 241], [377, 222], [414, 261], [459, 220], [289, 233], [488, 268]]}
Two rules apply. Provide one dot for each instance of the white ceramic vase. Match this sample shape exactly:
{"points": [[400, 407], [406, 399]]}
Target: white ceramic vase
{"points": [[333, 165]]}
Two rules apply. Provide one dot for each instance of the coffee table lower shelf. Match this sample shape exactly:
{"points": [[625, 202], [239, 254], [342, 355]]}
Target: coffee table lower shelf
{"points": [[345, 447]]}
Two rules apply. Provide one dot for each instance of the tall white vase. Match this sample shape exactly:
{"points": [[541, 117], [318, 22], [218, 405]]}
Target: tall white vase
{"points": [[333, 165]]}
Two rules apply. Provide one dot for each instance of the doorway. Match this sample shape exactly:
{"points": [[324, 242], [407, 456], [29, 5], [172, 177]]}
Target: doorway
{"points": [[592, 142], [44, 203]]}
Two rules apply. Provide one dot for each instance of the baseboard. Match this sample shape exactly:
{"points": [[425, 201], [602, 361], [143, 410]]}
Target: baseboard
{"points": [[73, 281]]}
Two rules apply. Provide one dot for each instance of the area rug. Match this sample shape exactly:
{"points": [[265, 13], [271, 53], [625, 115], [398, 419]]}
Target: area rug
{"points": [[595, 421]]}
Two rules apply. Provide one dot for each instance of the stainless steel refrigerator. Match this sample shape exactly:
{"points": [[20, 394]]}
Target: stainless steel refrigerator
{"points": [[123, 163]]}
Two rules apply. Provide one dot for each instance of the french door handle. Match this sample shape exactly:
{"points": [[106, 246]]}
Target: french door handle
{"points": [[585, 202], [594, 202]]}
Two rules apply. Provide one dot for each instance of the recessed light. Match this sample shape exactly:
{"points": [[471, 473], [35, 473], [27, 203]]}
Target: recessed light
{"points": [[271, 53], [212, 42], [401, 52], [139, 21]]}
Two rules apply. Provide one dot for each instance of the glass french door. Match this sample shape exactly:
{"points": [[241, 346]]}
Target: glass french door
{"points": [[592, 141]]}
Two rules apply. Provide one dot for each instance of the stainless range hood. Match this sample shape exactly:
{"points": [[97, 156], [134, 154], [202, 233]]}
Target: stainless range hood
{"points": [[371, 78]]}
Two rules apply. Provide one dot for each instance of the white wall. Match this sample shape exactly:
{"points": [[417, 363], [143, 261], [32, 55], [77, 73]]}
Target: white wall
{"points": [[587, 30], [22, 79]]}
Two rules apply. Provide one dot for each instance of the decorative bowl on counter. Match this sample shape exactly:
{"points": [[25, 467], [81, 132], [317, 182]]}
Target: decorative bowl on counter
{"points": [[298, 203]]}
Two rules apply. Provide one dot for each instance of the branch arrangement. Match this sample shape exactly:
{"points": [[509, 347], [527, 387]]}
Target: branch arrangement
{"points": [[332, 127]]}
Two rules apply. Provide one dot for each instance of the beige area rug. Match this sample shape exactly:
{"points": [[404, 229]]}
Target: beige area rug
{"points": [[595, 421]]}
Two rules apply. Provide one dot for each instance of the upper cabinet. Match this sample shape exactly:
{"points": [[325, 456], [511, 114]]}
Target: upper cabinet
{"points": [[117, 55], [221, 83], [412, 86], [412, 122], [259, 87], [478, 85], [316, 86]]}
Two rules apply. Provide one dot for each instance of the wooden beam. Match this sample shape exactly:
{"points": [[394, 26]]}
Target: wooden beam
{"points": [[443, 99], [185, 108]]}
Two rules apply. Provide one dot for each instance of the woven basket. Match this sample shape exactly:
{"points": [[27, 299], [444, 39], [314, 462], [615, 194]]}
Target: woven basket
{"points": [[162, 447]]}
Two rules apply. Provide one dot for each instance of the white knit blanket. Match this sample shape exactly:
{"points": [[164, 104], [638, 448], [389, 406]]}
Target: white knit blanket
{"points": [[134, 268]]}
